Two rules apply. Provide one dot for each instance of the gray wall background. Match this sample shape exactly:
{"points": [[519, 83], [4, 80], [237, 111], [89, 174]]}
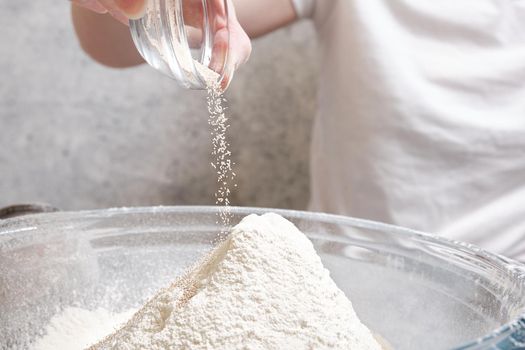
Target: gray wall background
{"points": [[79, 135]]}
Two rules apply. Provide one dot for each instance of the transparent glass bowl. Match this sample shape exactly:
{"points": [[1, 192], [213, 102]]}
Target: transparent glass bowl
{"points": [[415, 290]]}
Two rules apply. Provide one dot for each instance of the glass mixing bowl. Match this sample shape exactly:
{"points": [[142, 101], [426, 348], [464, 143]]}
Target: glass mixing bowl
{"points": [[415, 290]]}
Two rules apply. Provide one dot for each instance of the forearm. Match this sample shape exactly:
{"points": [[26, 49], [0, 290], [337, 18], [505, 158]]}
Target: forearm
{"points": [[259, 17], [105, 39]]}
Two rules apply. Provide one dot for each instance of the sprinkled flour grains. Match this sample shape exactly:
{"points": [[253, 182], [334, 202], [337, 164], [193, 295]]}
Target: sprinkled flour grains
{"points": [[221, 153]]}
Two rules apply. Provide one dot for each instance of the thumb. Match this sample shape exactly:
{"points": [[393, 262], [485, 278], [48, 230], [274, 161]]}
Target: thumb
{"points": [[133, 9]]}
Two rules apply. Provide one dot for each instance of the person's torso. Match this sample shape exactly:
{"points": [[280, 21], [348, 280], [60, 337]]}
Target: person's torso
{"points": [[422, 116]]}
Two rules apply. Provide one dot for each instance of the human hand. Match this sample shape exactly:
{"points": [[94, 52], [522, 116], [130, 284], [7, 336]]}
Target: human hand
{"points": [[230, 41], [239, 43], [122, 10]]}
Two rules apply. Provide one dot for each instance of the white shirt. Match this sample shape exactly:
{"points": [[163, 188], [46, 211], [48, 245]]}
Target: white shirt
{"points": [[422, 116]]}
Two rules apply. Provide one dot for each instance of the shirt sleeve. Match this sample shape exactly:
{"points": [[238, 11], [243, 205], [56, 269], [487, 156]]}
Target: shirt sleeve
{"points": [[304, 8]]}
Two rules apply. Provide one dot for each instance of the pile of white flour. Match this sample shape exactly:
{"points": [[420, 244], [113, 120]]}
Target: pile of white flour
{"points": [[264, 287]]}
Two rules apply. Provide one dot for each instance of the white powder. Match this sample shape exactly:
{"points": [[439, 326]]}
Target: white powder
{"points": [[76, 328], [264, 287], [221, 154]]}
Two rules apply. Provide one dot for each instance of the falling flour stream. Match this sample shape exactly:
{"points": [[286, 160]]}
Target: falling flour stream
{"points": [[221, 153]]}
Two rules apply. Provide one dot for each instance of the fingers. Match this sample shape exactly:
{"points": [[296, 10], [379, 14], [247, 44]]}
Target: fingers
{"points": [[220, 62], [240, 46], [239, 53], [219, 50], [227, 77], [231, 48]]}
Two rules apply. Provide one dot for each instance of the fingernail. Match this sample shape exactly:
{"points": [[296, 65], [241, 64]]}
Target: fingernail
{"points": [[227, 78], [134, 9]]}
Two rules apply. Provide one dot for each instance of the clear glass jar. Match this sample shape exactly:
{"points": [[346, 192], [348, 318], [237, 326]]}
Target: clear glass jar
{"points": [[181, 38]]}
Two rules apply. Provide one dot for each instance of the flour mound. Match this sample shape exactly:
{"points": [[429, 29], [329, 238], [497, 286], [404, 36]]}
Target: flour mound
{"points": [[264, 287]]}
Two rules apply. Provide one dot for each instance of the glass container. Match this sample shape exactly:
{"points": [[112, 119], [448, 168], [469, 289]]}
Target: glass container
{"points": [[416, 290], [185, 39]]}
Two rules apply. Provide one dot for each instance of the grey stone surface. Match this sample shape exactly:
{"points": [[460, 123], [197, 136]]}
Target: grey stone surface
{"points": [[79, 135]]}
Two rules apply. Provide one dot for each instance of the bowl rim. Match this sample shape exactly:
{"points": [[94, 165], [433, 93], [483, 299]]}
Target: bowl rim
{"points": [[505, 262]]}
